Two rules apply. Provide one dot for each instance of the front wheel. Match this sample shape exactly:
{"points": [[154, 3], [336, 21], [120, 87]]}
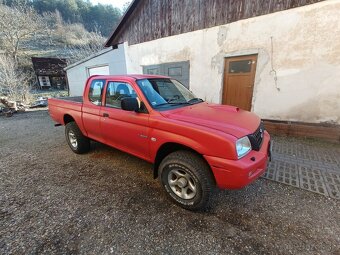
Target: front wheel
{"points": [[187, 179], [75, 139]]}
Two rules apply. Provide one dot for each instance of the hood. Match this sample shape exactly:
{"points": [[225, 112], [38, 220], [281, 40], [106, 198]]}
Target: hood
{"points": [[225, 118]]}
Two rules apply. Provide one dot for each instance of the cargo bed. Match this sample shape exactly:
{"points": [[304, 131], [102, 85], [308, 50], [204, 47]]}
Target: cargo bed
{"points": [[73, 99]]}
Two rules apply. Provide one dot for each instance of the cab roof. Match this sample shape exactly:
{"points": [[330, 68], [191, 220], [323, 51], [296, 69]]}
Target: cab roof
{"points": [[128, 76]]}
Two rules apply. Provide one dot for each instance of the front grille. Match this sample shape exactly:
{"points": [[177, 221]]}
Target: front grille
{"points": [[256, 138]]}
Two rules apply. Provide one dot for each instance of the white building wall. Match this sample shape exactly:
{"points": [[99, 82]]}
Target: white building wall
{"points": [[77, 73], [301, 44]]}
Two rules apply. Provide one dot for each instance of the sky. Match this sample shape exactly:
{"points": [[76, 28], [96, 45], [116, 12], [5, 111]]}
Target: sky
{"points": [[114, 3]]}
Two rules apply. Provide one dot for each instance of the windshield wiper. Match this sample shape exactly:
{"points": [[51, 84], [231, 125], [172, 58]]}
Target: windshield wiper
{"points": [[195, 99], [172, 103], [161, 104], [175, 97]]}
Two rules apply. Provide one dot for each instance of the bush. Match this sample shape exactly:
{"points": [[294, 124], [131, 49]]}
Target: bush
{"points": [[14, 83]]}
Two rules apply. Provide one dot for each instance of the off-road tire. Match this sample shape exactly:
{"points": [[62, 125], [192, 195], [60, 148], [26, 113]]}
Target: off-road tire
{"points": [[200, 172], [82, 142]]}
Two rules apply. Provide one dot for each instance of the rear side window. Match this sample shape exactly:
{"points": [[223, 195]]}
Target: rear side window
{"points": [[96, 91]]}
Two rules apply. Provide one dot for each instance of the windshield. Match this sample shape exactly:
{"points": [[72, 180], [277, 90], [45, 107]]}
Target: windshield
{"points": [[163, 93]]}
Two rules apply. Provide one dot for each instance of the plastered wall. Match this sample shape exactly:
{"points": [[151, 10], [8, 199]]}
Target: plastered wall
{"points": [[298, 68]]}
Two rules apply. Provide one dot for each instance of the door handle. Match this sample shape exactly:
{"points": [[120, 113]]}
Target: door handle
{"points": [[106, 115]]}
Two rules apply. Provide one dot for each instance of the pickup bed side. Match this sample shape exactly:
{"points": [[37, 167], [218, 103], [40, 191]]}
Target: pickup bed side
{"points": [[63, 111]]}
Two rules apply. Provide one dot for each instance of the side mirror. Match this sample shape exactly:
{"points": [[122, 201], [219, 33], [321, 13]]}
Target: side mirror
{"points": [[130, 104]]}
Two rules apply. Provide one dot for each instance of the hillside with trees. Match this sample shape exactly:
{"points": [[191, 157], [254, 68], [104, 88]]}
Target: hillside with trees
{"points": [[102, 18], [71, 29]]}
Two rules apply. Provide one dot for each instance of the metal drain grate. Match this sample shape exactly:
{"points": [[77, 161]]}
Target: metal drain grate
{"points": [[305, 165], [312, 180], [302, 175], [287, 173], [333, 190], [270, 173], [332, 181], [330, 177]]}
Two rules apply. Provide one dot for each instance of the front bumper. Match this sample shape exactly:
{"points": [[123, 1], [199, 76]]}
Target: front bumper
{"points": [[235, 174]]}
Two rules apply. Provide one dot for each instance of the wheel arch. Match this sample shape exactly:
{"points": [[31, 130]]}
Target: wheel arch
{"points": [[167, 148], [68, 118]]}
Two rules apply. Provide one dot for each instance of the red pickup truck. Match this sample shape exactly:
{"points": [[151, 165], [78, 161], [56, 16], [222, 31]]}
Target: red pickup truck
{"points": [[193, 145]]}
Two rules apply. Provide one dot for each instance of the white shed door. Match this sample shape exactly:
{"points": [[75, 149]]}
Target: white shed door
{"points": [[99, 70]]}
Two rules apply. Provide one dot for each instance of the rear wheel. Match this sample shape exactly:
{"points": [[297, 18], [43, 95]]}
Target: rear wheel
{"points": [[75, 139], [187, 179]]}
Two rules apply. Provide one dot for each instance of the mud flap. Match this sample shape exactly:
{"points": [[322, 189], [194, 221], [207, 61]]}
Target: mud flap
{"points": [[270, 149]]}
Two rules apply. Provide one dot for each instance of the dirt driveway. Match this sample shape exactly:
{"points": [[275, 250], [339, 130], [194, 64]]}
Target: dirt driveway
{"points": [[53, 201]]}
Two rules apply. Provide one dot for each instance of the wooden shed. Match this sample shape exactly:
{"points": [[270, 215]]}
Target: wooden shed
{"points": [[50, 72]]}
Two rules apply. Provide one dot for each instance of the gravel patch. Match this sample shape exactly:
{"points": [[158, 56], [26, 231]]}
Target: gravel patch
{"points": [[53, 201]]}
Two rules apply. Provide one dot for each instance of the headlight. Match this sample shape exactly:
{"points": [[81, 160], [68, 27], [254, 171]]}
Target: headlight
{"points": [[243, 146]]}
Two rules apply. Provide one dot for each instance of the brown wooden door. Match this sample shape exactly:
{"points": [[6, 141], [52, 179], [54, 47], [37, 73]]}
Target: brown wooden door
{"points": [[239, 77]]}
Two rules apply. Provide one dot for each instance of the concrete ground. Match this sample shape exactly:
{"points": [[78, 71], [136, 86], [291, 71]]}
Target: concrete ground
{"points": [[53, 201]]}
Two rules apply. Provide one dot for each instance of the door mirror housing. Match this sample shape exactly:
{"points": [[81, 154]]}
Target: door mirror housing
{"points": [[130, 104]]}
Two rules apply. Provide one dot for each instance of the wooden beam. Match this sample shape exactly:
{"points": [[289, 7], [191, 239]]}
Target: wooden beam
{"points": [[298, 129]]}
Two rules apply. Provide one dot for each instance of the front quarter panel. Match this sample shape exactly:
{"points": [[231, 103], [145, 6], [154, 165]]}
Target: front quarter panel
{"points": [[204, 140]]}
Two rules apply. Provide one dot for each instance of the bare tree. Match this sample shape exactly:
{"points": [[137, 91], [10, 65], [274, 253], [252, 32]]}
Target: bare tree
{"points": [[13, 83], [53, 22], [18, 24], [77, 42], [92, 43]]}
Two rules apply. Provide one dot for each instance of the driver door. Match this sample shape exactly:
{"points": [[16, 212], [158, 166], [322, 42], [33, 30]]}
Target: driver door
{"points": [[124, 130]]}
